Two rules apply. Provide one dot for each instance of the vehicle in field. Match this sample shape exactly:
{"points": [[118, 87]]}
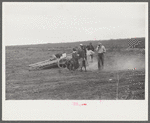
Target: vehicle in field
{"points": [[62, 61], [53, 62]]}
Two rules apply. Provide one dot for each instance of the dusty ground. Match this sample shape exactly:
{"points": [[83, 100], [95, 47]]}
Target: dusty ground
{"points": [[22, 84]]}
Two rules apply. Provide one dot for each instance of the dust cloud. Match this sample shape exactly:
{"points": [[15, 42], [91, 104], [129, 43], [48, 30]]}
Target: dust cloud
{"points": [[119, 62], [130, 62]]}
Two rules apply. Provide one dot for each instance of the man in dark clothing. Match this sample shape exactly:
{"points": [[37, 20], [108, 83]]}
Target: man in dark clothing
{"points": [[82, 56], [75, 58], [90, 47], [83, 47], [73, 63]]}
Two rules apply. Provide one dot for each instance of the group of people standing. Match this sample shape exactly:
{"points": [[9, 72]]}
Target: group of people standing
{"points": [[80, 56]]}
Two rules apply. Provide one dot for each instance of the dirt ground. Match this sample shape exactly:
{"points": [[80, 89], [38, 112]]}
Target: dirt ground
{"points": [[61, 84]]}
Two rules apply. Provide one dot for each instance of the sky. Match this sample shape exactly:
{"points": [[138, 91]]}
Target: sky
{"points": [[46, 22]]}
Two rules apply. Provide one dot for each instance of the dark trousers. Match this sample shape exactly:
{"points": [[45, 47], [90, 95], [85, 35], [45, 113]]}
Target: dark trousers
{"points": [[100, 60], [76, 63]]}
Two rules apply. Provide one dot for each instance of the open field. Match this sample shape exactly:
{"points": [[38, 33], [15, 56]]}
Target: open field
{"points": [[56, 84]]}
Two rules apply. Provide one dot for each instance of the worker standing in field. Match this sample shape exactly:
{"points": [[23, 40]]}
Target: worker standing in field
{"points": [[75, 58], [82, 56], [83, 47], [100, 55]]}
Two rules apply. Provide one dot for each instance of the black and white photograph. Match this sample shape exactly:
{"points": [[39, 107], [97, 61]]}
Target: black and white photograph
{"points": [[75, 52]]}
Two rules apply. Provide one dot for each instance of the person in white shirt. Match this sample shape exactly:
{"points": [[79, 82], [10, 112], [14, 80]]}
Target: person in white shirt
{"points": [[64, 55], [100, 55]]}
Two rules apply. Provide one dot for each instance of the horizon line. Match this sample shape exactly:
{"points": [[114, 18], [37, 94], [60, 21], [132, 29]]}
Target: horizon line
{"points": [[72, 41]]}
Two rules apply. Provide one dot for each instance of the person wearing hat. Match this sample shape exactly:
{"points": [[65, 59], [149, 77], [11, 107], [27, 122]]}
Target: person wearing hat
{"points": [[83, 47], [75, 55], [100, 55], [73, 63], [82, 56]]}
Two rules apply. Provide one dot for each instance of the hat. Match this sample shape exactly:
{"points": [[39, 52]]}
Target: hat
{"points": [[81, 44]]}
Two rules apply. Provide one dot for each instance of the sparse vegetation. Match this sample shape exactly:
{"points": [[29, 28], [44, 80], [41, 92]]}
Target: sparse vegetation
{"points": [[63, 84]]}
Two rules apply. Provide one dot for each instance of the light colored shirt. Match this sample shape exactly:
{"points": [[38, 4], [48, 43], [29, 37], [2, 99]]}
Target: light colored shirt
{"points": [[63, 55], [90, 52], [101, 49]]}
